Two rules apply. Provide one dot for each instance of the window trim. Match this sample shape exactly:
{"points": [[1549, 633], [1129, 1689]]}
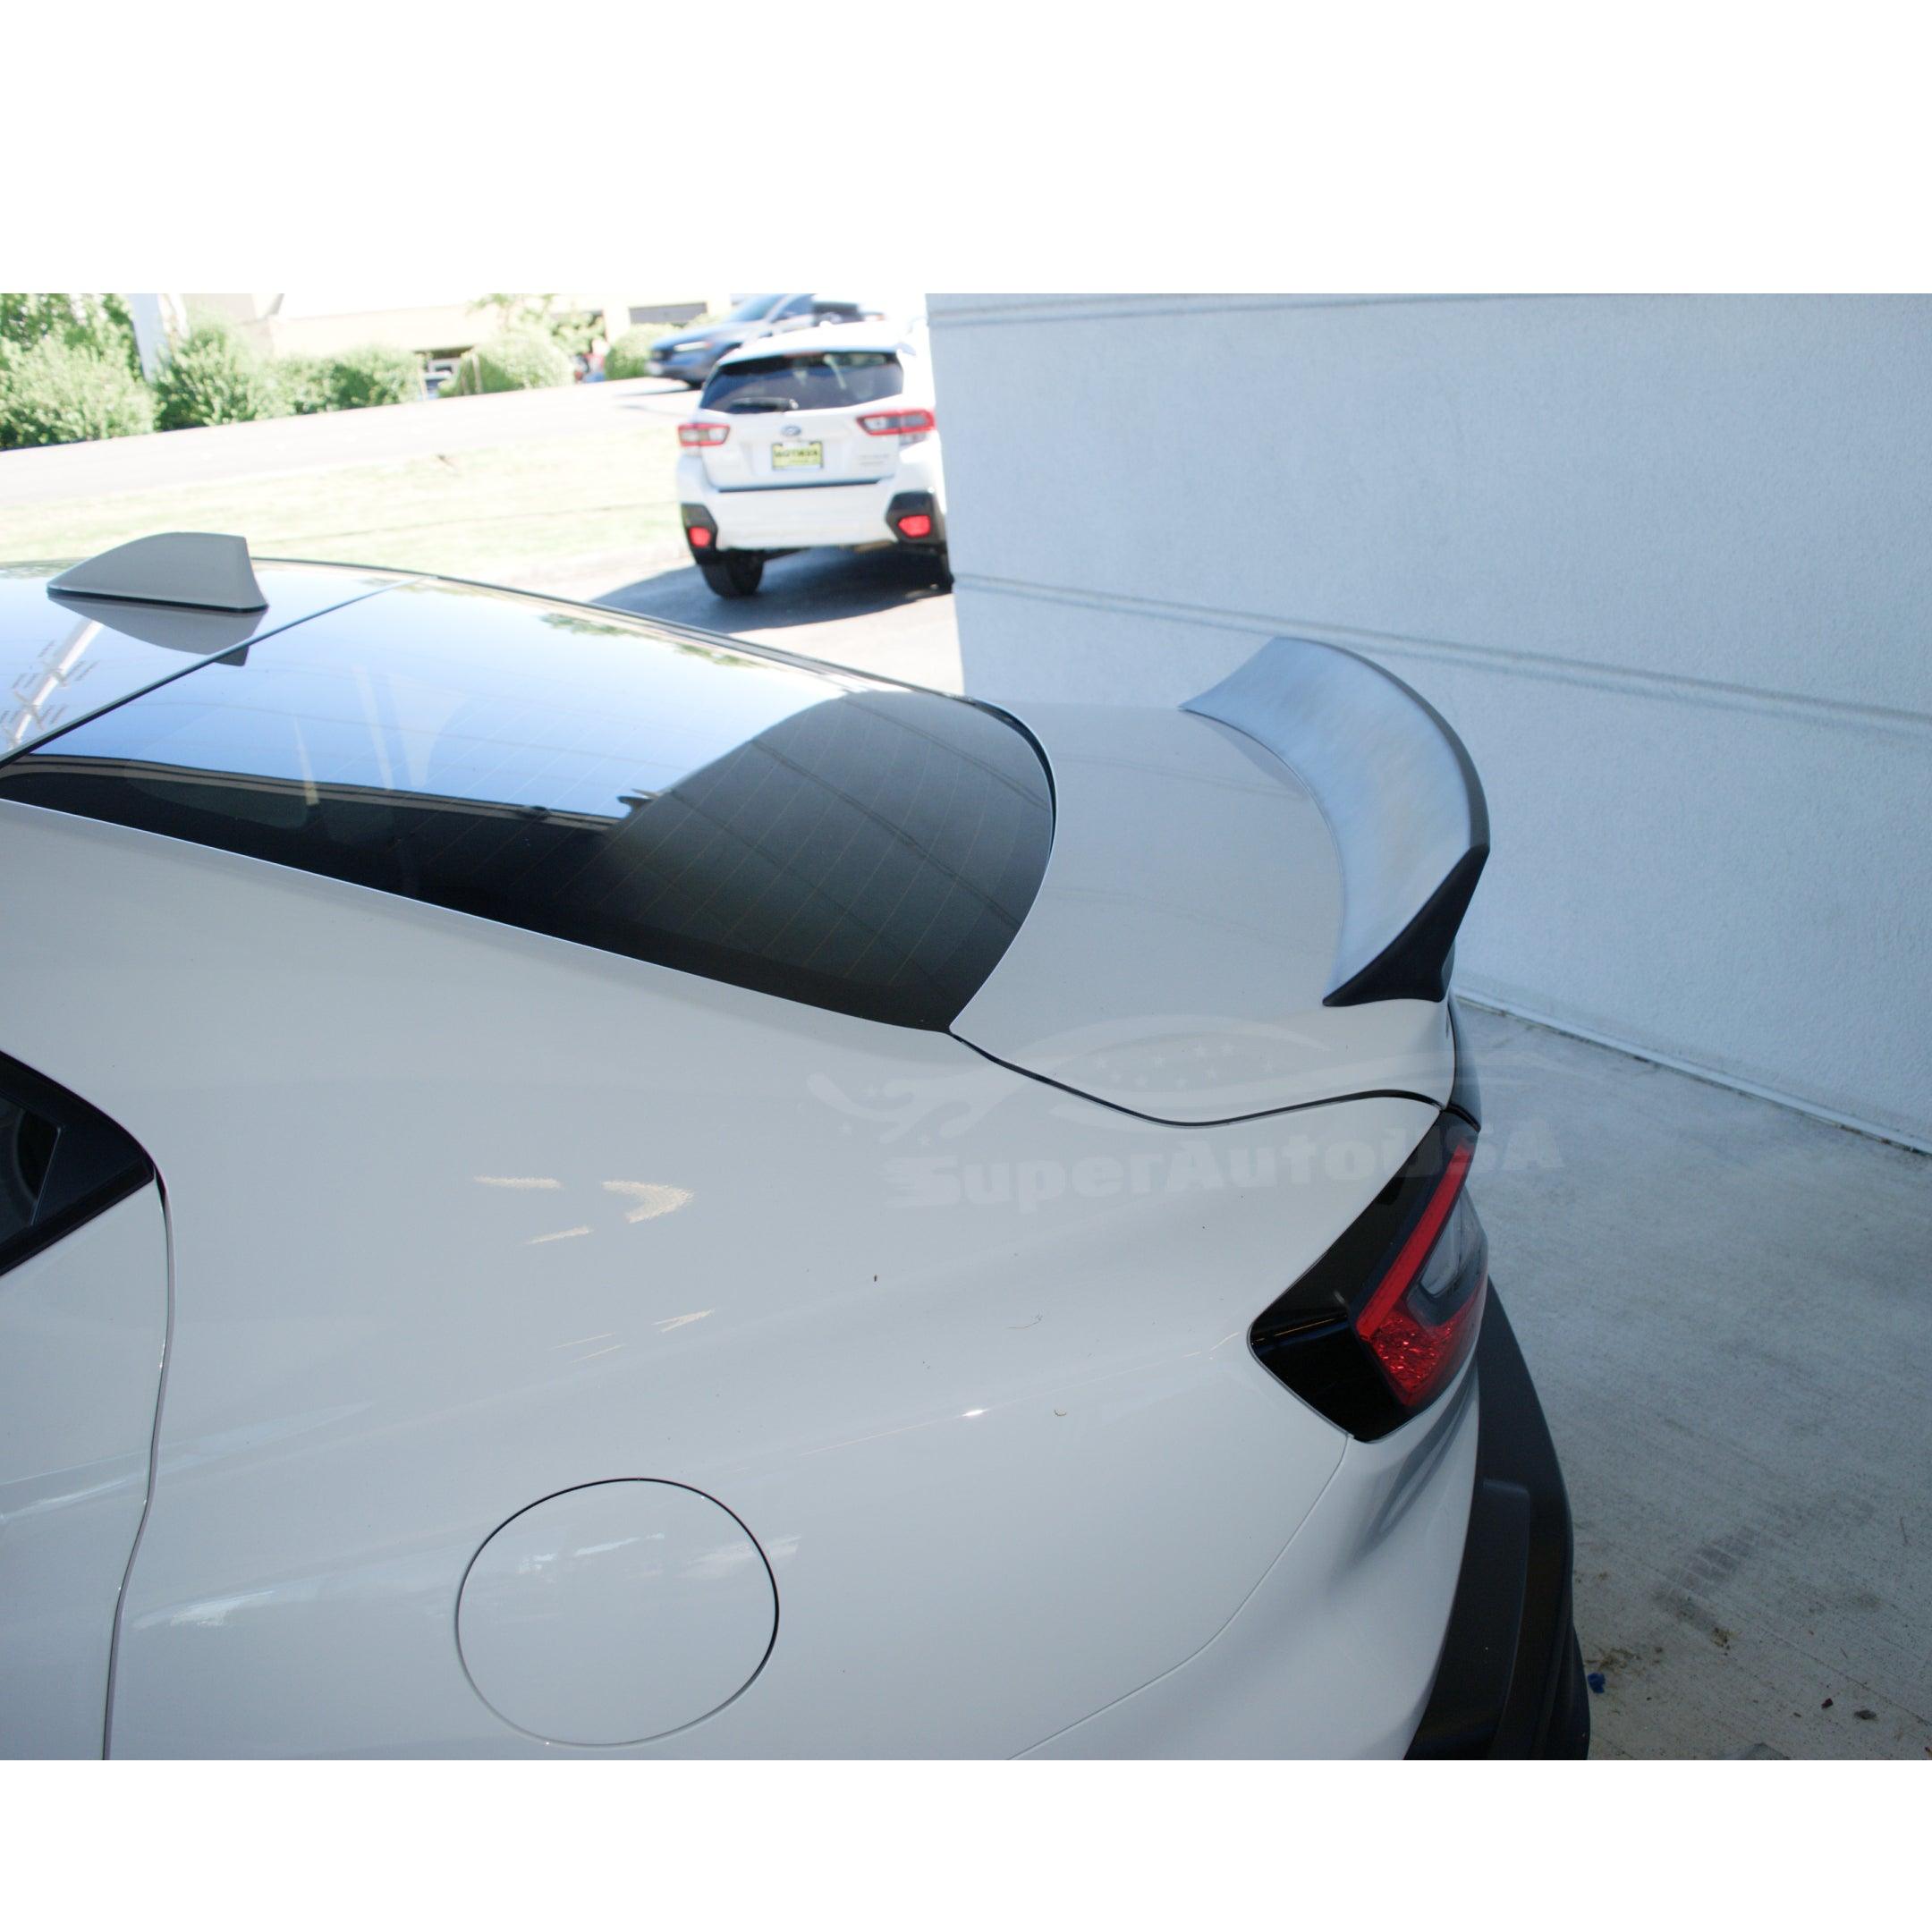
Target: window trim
{"points": [[96, 1165]]}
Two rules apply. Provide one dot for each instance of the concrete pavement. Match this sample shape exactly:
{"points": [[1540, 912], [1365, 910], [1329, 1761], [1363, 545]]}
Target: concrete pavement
{"points": [[1727, 1308]]}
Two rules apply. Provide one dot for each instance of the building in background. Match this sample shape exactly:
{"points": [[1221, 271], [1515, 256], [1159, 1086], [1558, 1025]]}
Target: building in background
{"points": [[1665, 563], [436, 326]]}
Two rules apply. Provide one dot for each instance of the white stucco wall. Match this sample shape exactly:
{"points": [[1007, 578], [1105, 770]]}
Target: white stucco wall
{"points": [[1665, 563]]}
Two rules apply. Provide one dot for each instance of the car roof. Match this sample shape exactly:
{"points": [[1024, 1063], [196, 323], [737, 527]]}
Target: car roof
{"points": [[63, 659], [833, 838]]}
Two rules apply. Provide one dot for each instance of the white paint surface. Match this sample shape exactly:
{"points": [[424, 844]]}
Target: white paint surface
{"points": [[1663, 564], [615, 1613], [82, 1326], [1176, 959], [965, 1355]]}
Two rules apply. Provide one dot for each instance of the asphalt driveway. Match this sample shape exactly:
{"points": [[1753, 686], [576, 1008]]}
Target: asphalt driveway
{"points": [[871, 610]]}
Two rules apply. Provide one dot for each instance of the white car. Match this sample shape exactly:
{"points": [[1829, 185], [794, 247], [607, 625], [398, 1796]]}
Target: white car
{"points": [[825, 437], [570, 1187]]}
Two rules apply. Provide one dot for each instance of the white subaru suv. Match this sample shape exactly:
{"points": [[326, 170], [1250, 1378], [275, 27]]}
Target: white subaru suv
{"points": [[825, 437]]}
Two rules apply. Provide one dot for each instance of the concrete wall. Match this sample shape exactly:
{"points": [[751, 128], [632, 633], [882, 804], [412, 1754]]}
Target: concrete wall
{"points": [[1665, 563]]}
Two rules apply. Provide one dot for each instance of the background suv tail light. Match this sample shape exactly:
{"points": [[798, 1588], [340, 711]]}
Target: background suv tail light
{"points": [[1377, 1328], [702, 435], [907, 424]]}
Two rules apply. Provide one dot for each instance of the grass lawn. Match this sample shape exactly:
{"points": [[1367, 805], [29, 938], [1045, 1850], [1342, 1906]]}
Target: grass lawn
{"points": [[520, 514]]}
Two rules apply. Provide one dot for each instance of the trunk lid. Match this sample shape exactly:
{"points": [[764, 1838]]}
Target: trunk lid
{"points": [[1209, 916]]}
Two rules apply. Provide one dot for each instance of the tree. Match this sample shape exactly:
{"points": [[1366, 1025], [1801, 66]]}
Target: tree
{"points": [[100, 323], [571, 329]]}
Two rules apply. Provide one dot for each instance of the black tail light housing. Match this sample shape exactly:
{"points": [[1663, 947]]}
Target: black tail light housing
{"points": [[1380, 1325], [913, 517]]}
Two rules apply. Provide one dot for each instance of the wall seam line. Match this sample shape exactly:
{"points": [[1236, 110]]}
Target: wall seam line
{"points": [[1474, 995], [1664, 686], [1097, 309]]}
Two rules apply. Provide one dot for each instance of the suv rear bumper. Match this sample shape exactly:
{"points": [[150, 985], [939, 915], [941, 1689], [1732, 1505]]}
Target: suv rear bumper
{"points": [[1510, 1683], [847, 510]]}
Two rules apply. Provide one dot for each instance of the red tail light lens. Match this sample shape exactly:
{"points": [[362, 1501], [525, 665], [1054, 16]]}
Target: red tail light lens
{"points": [[915, 525], [702, 435], [1380, 1325], [700, 537], [907, 422], [1420, 1319]]}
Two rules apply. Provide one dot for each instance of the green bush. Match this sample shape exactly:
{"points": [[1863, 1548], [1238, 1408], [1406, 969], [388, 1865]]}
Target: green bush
{"points": [[374, 375], [518, 358], [630, 354], [305, 382], [214, 377], [56, 392]]}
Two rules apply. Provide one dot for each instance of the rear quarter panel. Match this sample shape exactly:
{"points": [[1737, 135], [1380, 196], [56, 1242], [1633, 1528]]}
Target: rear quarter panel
{"points": [[463, 1216]]}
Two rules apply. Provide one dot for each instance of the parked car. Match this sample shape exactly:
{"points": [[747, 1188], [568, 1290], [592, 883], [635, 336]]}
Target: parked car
{"points": [[825, 437], [691, 355], [569, 1185]]}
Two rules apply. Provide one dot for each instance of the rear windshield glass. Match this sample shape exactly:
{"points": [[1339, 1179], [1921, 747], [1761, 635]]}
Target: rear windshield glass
{"points": [[824, 838], [831, 379]]}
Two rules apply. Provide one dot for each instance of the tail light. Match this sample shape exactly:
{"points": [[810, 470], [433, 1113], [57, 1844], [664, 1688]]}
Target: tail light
{"points": [[1377, 1328], [907, 424], [702, 435], [700, 537], [918, 524]]}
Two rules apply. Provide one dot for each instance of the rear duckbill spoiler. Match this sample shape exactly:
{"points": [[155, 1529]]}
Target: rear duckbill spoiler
{"points": [[1399, 795]]}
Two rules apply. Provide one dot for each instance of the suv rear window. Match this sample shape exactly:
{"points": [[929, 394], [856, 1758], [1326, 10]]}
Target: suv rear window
{"points": [[827, 838], [832, 379]]}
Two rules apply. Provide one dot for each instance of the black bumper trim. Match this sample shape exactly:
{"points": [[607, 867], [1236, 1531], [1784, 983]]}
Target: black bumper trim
{"points": [[1510, 1683], [776, 489], [919, 502]]}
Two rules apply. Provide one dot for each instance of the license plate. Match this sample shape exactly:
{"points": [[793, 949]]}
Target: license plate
{"points": [[798, 456]]}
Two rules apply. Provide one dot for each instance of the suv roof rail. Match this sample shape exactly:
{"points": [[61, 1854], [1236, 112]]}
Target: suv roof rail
{"points": [[196, 568]]}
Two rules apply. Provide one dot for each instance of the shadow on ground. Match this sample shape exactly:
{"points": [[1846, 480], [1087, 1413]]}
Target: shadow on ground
{"points": [[808, 587]]}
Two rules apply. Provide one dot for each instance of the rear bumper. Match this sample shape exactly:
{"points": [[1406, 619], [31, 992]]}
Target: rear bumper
{"points": [[796, 516], [1510, 1683]]}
